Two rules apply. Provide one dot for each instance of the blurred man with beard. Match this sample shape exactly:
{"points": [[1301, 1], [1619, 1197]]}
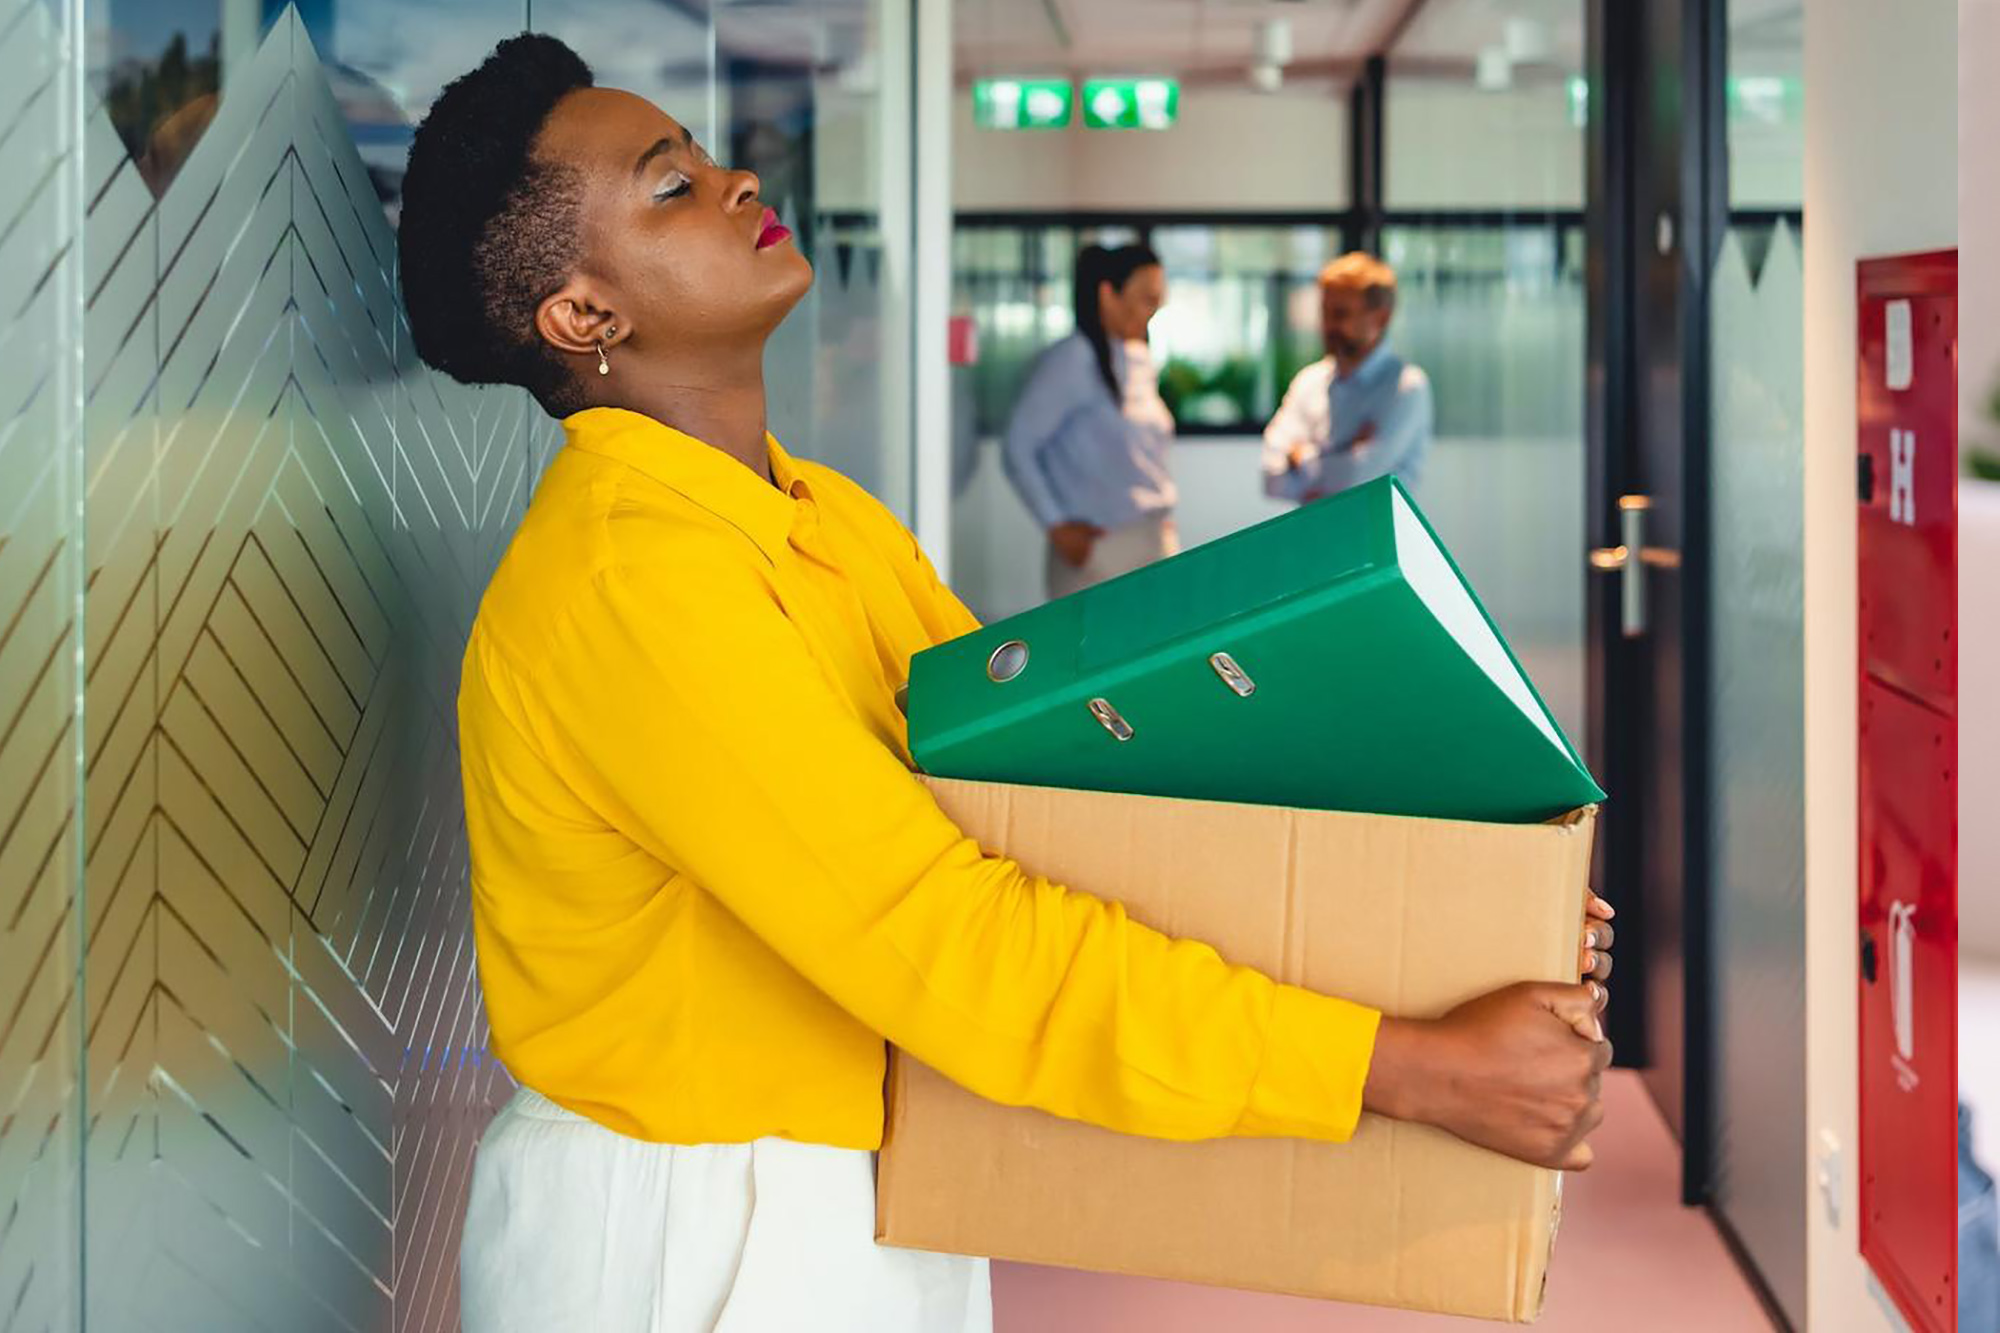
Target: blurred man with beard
{"points": [[1361, 411]]}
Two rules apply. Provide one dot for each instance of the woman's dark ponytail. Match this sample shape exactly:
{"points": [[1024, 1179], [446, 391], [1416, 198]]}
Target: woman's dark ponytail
{"points": [[1095, 265]]}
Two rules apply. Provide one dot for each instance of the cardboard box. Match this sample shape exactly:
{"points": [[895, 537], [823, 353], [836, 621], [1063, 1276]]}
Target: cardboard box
{"points": [[1411, 916]]}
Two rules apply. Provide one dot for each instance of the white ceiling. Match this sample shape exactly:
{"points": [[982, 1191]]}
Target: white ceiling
{"points": [[1329, 37], [1165, 36], [1454, 32]]}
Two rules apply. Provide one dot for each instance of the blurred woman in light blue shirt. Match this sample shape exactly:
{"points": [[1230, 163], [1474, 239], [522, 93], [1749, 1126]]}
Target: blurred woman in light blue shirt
{"points": [[1087, 445]]}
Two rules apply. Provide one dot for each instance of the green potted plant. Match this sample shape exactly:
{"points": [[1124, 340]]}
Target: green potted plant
{"points": [[1983, 460]]}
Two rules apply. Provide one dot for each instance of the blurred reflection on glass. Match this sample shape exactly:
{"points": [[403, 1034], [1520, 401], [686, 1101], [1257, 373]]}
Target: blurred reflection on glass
{"points": [[157, 68], [663, 52], [387, 59], [282, 529], [791, 91]]}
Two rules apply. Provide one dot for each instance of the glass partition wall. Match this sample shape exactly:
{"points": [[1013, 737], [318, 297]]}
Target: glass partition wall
{"points": [[41, 579], [1756, 705], [1243, 318], [245, 531], [1484, 167]]}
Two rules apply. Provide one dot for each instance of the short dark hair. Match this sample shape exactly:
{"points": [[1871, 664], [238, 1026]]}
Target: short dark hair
{"points": [[488, 231]]}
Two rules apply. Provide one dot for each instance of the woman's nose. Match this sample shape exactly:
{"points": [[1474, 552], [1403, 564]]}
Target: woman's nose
{"points": [[744, 188]]}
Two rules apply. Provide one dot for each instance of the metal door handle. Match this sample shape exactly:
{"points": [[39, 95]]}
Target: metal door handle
{"points": [[1629, 560]]}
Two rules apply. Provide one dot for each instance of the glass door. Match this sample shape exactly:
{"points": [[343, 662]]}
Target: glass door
{"points": [[41, 578], [1756, 783]]}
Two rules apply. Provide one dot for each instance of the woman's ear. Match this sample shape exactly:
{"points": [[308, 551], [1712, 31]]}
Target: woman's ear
{"points": [[573, 320], [1110, 309]]}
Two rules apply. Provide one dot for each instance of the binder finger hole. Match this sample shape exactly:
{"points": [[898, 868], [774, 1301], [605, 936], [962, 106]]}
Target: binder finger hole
{"points": [[1009, 660]]}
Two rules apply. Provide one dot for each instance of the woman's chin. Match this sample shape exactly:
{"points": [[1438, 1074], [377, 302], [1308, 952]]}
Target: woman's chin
{"points": [[770, 295], [797, 282]]}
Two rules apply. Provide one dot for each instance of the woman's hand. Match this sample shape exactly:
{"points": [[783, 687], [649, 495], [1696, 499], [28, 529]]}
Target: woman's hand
{"points": [[1073, 541], [1519, 1070], [1594, 962]]}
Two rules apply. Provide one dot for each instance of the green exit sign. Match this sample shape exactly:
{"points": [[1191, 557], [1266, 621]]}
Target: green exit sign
{"points": [[1021, 104], [1131, 104]]}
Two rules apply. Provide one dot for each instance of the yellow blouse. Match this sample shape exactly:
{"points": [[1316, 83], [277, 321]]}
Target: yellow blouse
{"points": [[707, 885]]}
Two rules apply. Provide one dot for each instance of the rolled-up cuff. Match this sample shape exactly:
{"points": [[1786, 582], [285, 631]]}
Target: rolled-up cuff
{"points": [[1316, 1058]]}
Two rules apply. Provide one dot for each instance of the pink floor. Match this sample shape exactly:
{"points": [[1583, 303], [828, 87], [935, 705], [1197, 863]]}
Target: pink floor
{"points": [[1630, 1258]]}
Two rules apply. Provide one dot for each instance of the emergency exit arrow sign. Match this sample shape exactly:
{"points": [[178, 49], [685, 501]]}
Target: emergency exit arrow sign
{"points": [[1131, 104], [1021, 104]]}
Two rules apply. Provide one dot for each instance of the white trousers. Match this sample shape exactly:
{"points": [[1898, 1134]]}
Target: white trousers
{"points": [[1119, 551], [573, 1226]]}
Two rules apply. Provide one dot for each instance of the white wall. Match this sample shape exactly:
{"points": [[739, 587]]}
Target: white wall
{"points": [[1232, 149], [1979, 502], [1978, 704], [1978, 205], [1978, 566], [1881, 177], [1448, 144]]}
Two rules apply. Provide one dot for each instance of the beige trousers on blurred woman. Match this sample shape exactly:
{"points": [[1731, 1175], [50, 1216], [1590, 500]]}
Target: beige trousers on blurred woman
{"points": [[1119, 551]]}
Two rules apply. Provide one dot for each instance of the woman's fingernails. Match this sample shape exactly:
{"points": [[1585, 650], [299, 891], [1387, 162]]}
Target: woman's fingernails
{"points": [[1590, 939]]}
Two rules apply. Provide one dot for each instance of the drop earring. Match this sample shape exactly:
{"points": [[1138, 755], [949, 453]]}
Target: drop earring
{"points": [[604, 363]]}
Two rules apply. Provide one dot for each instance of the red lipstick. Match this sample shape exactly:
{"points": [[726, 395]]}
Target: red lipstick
{"points": [[774, 231]]}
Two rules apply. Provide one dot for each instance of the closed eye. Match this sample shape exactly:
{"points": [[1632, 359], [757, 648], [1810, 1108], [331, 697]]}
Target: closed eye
{"points": [[673, 187]]}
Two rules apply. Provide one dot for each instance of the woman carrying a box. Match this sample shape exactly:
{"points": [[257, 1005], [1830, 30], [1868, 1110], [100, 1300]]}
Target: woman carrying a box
{"points": [[707, 886]]}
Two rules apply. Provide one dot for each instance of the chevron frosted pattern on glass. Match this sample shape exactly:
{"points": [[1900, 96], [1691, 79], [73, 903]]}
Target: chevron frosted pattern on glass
{"points": [[40, 1016], [286, 528]]}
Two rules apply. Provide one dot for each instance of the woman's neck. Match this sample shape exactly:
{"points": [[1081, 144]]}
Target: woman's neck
{"points": [[723, 409]]}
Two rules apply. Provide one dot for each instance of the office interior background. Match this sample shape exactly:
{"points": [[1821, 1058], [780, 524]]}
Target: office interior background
{"points": [[243, 1065]]}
